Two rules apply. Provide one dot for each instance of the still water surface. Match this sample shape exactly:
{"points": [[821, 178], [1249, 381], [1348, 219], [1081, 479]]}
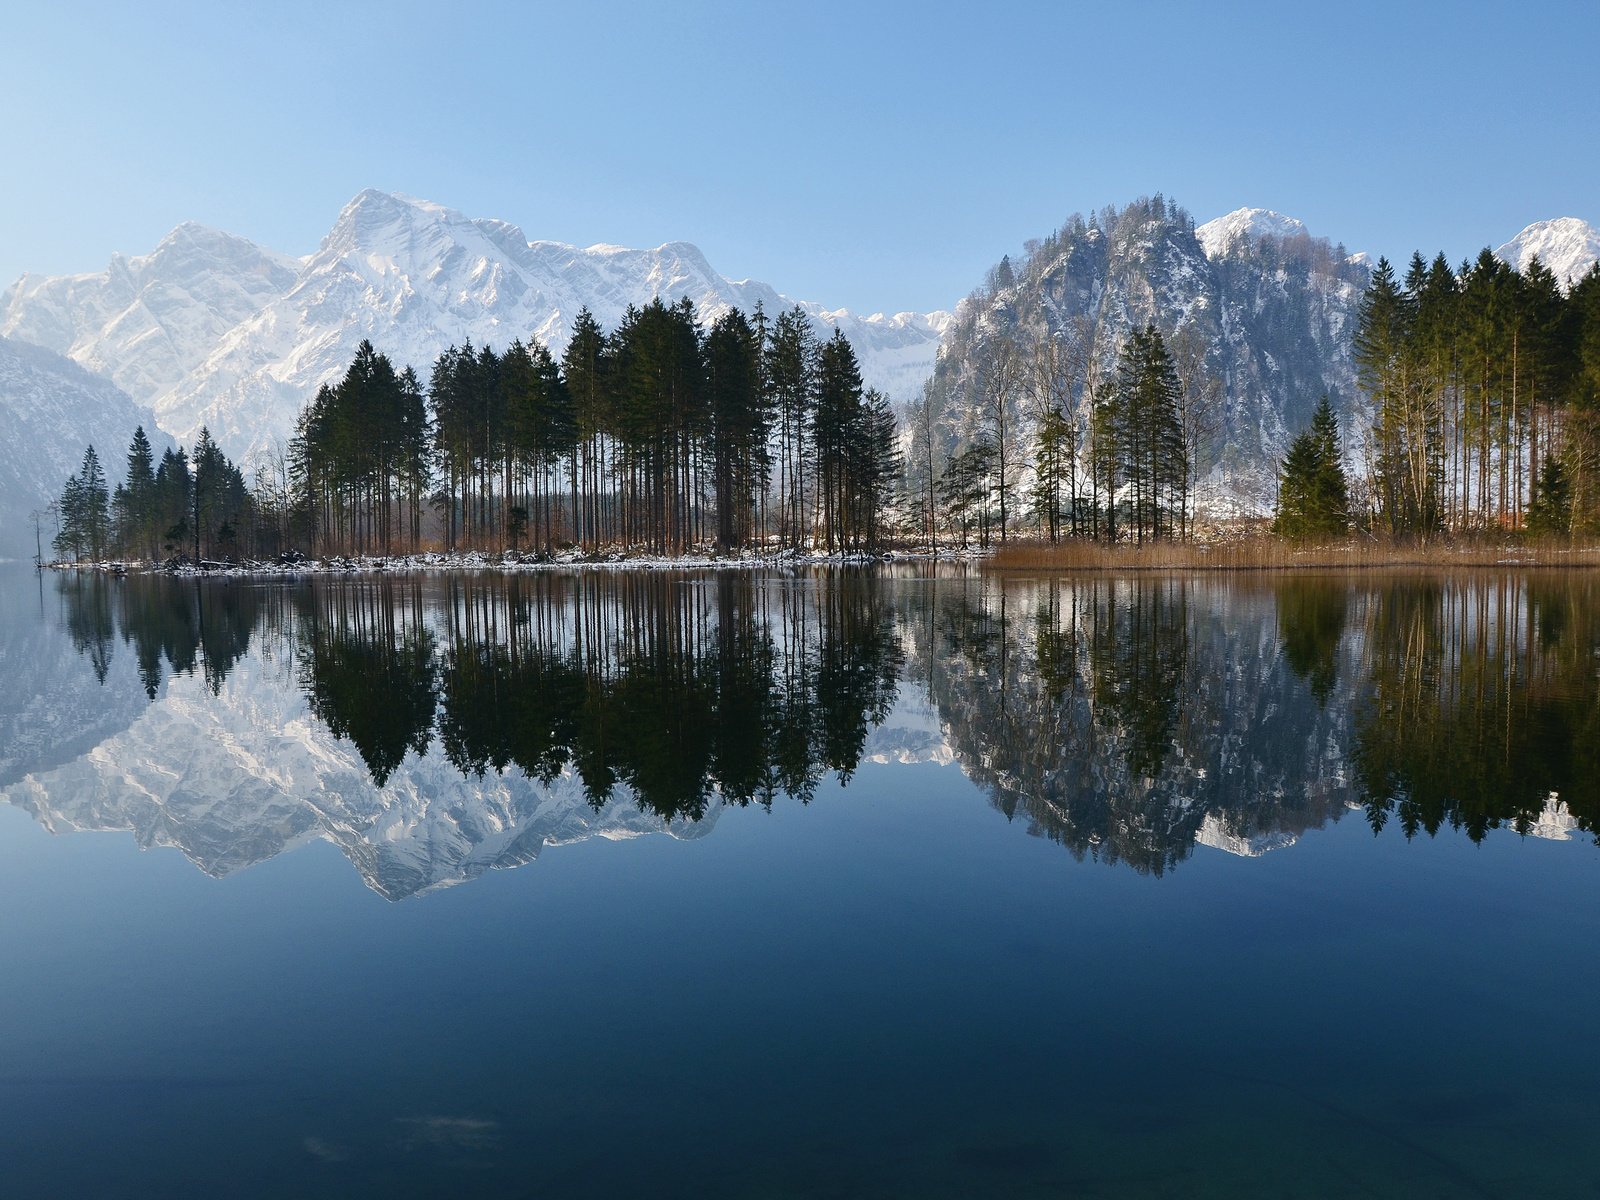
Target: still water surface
{"points": [[870, 883]]}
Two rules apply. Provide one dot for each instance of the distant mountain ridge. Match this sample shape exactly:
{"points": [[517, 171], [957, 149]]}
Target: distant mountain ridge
{"points": [[146, 322], [1219, 236], [211, 330]]}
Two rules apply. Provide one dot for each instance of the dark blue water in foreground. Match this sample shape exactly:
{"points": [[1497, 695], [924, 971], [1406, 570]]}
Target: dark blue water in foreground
{"points": [[1150, 888]]}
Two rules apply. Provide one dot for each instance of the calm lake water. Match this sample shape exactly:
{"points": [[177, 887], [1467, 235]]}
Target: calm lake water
{"points": [[870, 883]]}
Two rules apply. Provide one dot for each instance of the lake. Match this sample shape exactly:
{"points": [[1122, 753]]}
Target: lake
{"points": [[875, 882]]}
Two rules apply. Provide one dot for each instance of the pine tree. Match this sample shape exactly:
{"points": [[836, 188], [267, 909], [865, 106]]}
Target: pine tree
{"points": [[791, 376], [1053, 469], [173, 486], [584, 368], [1313, 494], [738, 426], [139, 532], [1384, 325], [838, 430], [1146, 433], [1550, 512]]}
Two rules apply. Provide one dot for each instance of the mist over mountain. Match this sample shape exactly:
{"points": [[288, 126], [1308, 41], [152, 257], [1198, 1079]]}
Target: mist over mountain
{"points": [[146, 322], [51, 410]]}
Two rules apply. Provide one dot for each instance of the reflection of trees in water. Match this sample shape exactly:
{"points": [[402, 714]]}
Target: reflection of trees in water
{"points": [[1312, 612], [673, 687], [1125, 718], [1129, 718], [183, 624], [1482, 702], [367, 668]]}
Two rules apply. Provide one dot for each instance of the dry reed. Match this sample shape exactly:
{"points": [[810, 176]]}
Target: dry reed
{"points": [[1267, 553]]}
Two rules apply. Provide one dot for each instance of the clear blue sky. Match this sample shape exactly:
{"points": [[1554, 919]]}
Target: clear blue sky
{"points": [[880, 156]]}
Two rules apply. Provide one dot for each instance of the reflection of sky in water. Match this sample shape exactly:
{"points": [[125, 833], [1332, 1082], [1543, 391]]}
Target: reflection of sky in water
{"points": [[887, 991]]}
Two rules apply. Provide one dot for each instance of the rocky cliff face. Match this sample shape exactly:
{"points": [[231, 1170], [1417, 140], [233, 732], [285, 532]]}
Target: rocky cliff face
{"points": [[1262, 312]]}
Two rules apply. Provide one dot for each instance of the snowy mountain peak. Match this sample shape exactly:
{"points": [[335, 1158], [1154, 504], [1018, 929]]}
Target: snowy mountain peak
{"points": [[1568, 246], [1217, 238], [147, 321], [209, 329]]}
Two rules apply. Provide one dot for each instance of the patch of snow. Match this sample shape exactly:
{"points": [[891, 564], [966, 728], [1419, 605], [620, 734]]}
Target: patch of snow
{"points": [[1220, 236]]}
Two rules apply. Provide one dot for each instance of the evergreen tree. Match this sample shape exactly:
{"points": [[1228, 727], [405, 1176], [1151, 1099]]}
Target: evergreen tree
{"points": [[139, 532], [584, 368], [85, 511], [1550, 512], [790, 376], [173, 485], [1313, 495], [738, 426], [1384, 327], [1147, 435], [1053, 469], [838, 428]]}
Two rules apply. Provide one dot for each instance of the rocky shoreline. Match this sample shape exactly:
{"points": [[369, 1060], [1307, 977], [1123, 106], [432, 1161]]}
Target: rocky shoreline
{"points": [[297, 565]]}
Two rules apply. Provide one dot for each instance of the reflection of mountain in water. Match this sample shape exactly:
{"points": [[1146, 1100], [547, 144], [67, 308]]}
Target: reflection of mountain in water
{"points": [[1134, 718], [434, 730], [433, 733], [64, 690], [1129, 719]]}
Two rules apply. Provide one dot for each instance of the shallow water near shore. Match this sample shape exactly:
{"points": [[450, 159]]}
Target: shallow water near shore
{"points": [[888, 881]]}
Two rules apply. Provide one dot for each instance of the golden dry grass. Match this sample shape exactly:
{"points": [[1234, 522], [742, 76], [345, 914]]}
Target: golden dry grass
{"points": [[1263, 552]]}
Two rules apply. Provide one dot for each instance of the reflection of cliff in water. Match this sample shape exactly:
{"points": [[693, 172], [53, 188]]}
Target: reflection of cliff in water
{"points": [[1133, 718], [435, 730], [1130, 718]]}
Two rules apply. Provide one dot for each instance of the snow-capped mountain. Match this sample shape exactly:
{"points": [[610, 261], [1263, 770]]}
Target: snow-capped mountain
{"points": [[221, 333], [1568, 246], [1218, 237], [1264, 311], [51, 409], [146, 322]]}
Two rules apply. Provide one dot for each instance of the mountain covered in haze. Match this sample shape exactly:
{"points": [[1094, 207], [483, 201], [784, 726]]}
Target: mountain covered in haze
{"points": [[211, 330], [51, 409], [146, 322]]}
